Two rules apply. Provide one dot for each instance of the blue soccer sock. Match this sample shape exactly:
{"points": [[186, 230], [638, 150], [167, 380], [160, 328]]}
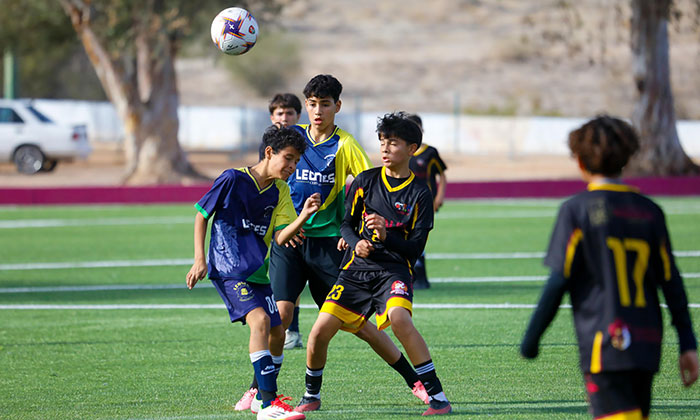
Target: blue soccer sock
{"points": [[294, 326], [266, 374], [277, 361]]}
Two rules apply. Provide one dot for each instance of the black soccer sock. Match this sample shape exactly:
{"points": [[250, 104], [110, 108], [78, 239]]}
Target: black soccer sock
{"points": [[254, 384], [314, 378], [427, 375], [406, 371], [294, 326]]}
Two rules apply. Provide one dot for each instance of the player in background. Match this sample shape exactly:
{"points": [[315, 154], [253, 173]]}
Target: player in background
{"points": [[610, 249], [388, 215], [428, 167], [285, 111], [250, 207]]}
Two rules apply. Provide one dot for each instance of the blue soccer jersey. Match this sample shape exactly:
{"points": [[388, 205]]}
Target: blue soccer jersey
{"points": [[245, 217], [324, 168]]}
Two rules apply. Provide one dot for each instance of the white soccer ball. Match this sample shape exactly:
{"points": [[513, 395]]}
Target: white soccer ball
{"points": [[234, 31]]}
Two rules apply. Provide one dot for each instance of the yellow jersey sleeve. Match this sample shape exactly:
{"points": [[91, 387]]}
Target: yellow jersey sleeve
{"points": [[284, 212]]}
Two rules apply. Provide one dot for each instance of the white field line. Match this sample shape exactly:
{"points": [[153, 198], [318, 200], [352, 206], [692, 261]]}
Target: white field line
{"points": [[44, 223], [222, 306], [113, 287], [188, 261]]}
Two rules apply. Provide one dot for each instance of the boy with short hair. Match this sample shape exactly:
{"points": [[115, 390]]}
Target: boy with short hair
{"points": [[285, 109], [610, 249], [428, 166], [388, 216], [250, 207]]}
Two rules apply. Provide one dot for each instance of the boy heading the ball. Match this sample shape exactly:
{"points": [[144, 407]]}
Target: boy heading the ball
{"points": [[611, 251], [250, 207], [388, 216]]}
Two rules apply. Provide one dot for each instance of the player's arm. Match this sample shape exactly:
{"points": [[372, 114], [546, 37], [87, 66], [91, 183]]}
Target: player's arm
{"points": [[311, 206], [351, 219], [199, 268], [440, 194], [547, 308], [410, 246], [677, 301]]}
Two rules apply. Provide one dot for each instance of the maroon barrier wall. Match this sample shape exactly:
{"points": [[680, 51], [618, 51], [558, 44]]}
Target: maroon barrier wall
{"points": [[672, 186]]}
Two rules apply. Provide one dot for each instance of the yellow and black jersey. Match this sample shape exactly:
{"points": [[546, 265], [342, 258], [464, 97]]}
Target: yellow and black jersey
{"points": [[427, 165], [612, 248], [407, 206]]}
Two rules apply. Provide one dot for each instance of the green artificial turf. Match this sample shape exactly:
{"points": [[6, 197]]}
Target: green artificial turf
{"points": [[191, 363]]}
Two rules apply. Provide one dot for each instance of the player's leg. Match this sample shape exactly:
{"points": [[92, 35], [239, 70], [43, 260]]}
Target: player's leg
{"points": [[324, 260], [420, 275], [382, 344], [266, 342], [285, 284], [293, 336], [417, 350], [323, 331], [614, 393]]}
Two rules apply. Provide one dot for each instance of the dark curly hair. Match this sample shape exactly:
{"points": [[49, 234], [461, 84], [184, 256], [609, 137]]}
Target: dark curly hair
{"points": [[285, 100], [323, 85], [280, 138], [398, 124], [604, 145]]}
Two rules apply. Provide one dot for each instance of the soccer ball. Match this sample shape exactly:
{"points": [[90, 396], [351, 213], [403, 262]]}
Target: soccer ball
{"points": [[234, 31]]}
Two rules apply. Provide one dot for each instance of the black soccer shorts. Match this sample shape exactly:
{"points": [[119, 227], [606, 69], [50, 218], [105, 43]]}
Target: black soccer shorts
{"points": [[358, 294], [317, 261], [622, 395]]}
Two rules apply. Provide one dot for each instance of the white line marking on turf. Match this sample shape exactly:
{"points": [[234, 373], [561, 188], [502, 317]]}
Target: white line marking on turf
{"points": [[221, 306], [188, 261], [43, 223], [97, 264], [112, 287]]}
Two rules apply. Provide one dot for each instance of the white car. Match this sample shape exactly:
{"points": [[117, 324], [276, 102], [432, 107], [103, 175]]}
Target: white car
{"points": [[35, 143]]}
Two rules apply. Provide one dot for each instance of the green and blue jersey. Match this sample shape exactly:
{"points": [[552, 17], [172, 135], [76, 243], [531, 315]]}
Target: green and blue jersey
{"points": [[245, 218], [324, 168]]}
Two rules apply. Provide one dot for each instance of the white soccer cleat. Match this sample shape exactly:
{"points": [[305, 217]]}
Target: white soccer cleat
{"points": [[293, 340], [255, 404], [279, 410]]}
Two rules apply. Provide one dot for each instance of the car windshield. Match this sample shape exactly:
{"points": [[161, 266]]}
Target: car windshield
{"points": [[39, 115]]}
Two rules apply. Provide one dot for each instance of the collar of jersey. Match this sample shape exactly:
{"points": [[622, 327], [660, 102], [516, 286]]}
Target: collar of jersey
{"points": [[255, 181], [311, 139], [393, 189], [612, 187], [423, 147]]}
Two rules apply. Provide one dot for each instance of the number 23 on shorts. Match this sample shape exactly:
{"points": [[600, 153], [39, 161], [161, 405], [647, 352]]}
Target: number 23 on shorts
{"points": [[335, 292]]}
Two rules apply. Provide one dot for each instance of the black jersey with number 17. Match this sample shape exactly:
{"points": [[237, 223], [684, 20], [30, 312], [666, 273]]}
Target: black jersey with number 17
{"points": [[612, 246], [406, 205]]}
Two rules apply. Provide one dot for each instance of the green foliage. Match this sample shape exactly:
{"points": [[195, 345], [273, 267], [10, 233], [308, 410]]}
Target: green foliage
{"points": [[193, 364], [268, 67]]}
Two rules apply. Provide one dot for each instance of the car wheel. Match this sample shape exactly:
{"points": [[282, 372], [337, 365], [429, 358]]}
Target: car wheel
{"points": [[29, 159], [49, 165]]}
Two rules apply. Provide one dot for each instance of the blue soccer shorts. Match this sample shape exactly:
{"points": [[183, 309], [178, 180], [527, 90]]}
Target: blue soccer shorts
{"points": [[242, 297]]}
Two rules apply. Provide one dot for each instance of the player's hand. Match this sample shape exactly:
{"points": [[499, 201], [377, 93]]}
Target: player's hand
{"points": [[376, 223], [342, 245], [364, 248], [196, 273], [437, 204], [297, 239], [688, 363], [312, 204]]}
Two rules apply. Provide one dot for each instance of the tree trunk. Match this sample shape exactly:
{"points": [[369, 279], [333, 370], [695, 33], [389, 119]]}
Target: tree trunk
{"points": [[146, 101], [654, 116]]}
